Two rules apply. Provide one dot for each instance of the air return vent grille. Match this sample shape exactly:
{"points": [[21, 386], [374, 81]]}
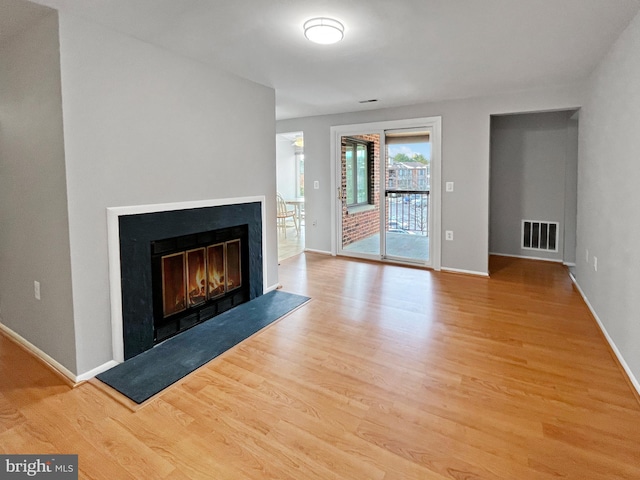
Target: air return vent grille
{"points": [[540, 235]]}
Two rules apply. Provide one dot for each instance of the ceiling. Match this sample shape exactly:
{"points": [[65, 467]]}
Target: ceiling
{"points": [[399, 52]]}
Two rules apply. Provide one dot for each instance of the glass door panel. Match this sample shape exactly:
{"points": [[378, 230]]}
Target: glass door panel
{"points": [[407, 189], [360, 195]]}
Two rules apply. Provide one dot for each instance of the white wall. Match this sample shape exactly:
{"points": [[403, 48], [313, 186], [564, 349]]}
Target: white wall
{"points": [[529, 163], [34, 238], [286, 166], [465, 161], [144, 126], [609, 195]]}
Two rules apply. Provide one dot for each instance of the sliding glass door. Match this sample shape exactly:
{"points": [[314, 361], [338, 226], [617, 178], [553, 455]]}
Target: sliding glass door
{"points": [[387, 191]]}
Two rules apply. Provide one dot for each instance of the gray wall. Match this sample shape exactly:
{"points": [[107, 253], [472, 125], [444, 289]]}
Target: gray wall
{"points": [[609, 195], [140, 126], [144, 126], [34, 235], [529, 163], [571, 192], [465, 161]]}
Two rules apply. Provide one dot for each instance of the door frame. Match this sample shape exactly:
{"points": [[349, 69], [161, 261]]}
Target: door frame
{"points": [[435, 125]]}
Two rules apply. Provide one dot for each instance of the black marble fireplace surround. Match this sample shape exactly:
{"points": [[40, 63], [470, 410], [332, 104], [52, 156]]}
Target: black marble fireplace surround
{"points": [[136, 234]]}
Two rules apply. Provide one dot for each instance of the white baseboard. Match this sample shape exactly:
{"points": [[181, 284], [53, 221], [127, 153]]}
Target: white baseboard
{"points": [[272, 288], [569, 264], [323, 252], [623, 363], [525, 257], [51, 362], [96, 371], [466, 272], [38, 353]]}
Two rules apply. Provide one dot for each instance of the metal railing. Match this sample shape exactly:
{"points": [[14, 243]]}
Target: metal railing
{"points": [[408, 212]]}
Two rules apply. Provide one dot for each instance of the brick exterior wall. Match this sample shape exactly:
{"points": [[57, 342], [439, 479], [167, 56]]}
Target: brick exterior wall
{"points": [[359, 225]]}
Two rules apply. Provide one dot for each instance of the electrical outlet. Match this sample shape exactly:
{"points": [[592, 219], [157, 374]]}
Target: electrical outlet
{"points": [[449, 187], [315, 223], [595, 263], [448, 235], [36, 289], [316, 185]]}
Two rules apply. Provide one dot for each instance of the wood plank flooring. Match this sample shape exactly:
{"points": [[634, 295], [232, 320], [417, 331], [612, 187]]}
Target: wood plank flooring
{"points": [[388, 373], [292, 244]]}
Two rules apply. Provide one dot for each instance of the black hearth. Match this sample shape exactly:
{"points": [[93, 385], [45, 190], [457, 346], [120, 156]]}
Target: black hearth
{"points": [[185, 241]]}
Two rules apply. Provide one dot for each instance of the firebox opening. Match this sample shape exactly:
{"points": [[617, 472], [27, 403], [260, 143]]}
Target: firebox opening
{"points": [[196, 277]]}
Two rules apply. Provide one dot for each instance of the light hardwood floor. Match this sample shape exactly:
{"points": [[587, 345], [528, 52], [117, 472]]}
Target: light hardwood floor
{"points": [[291, 244], [388, 373]]}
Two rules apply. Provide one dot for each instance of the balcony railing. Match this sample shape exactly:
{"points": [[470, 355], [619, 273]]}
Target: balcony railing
{"points": [[408, 212]]}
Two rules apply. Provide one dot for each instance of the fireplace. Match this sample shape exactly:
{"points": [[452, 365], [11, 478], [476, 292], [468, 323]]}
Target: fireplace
{"points": [[196, 277], [178, 266]]}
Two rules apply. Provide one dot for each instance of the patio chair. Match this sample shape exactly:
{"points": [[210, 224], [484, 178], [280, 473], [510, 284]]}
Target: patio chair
{"points": [[284, 213]]}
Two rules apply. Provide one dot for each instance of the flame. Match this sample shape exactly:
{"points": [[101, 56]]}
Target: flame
{"points": [[216, 272], [200, 280], [216, 281], [197, 286]]}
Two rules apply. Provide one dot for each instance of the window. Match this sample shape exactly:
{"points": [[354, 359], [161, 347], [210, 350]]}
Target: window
{"points": [[358, 161]]}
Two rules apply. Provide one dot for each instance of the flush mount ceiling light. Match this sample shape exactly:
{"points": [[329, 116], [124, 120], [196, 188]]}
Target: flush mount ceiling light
{"points": [[324, 31]]}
